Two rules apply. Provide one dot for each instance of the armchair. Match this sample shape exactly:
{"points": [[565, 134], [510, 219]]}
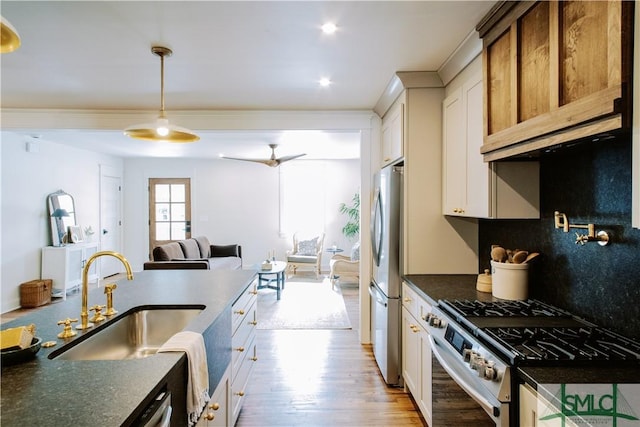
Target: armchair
{"points": [[306, 254], [343, 266]]}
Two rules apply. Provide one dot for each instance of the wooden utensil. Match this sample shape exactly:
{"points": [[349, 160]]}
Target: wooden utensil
{"points": [[498, 253], [531, 256], [520, 257]]}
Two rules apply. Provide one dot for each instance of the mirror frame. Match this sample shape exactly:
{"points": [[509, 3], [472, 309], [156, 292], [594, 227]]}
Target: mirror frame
{"points": [[60, 226]]}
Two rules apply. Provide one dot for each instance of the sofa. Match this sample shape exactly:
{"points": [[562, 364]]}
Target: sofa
{"points": [[195, 254]]}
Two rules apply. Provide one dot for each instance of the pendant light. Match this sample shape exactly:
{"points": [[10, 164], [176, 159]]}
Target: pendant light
{"points": [[161, 129], [9, 38]]}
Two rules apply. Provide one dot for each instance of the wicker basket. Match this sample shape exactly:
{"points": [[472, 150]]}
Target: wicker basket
{"points": [[35, 293]]}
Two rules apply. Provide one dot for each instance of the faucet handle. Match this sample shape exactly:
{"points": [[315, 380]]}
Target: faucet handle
{"points": [[68, 331], [97, 317], [108, 289]]}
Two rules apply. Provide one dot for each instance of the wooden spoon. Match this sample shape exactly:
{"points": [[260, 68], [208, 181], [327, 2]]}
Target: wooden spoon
{"points": [[498, 253], [531, 256], [520, 257]]}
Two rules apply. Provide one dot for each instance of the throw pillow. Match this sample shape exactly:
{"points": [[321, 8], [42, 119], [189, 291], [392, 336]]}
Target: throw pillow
{"points": [[355, 252], [307, 247]]}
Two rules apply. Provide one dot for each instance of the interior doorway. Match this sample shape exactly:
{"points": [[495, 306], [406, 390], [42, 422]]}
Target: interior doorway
{"points": [[110, 230]]}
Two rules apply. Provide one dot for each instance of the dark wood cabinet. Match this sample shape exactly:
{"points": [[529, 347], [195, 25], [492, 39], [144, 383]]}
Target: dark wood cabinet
{"points": [[554, 71]]}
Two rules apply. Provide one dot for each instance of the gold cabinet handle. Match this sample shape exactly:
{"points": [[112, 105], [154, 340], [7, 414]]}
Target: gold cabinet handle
{"points": [[253, 292], [240, 349], [240, 393], [255, 359], [214, 406], [240, 312], [253, 323], [210, 416]]}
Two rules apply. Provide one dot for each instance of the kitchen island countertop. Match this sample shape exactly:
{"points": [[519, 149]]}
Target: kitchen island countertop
{"points": [[110, 392]]}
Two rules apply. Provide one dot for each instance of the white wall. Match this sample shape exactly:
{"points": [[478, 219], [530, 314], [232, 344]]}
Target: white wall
{"points": [[27, 179], [232, 202]]}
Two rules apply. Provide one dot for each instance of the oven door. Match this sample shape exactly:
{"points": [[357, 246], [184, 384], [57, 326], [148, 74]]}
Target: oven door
{"points": [[454, 381]]}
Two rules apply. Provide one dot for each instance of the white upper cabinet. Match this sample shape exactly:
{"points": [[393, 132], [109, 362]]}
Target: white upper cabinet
{"points": [[472, 187], [392, 134]]}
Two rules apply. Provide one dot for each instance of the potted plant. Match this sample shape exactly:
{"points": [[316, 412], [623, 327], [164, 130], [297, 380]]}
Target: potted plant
{"points": [[352, 228]]}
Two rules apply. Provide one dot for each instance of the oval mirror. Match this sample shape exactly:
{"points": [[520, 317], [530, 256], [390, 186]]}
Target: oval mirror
{"points": [[62, 212]]}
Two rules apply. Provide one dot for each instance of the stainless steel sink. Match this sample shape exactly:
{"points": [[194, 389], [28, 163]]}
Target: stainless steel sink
{"points": [[135, 335]]}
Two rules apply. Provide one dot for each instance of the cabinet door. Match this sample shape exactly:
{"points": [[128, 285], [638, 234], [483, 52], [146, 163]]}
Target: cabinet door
{"points": [[392, 134], [410, 353], [87, 252], [528, 406], [75, 264], [454, 155], [425, 401], [477, 170], [216, 411]]}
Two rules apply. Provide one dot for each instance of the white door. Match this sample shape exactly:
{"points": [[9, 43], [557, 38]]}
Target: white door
{"points": [[110, 219]]}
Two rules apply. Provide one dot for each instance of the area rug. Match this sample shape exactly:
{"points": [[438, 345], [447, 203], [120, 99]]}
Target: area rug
{"points": [[303, 304]]}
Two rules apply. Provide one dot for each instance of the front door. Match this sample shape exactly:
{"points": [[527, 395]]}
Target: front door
{"points": [[169, 210]]}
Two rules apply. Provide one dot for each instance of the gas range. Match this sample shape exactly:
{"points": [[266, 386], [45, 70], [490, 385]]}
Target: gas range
{"points": [[583, 344], [480, 344], [535, 333]]}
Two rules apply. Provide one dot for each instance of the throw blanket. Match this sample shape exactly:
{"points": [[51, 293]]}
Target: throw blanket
{"points": [[198, 381]]}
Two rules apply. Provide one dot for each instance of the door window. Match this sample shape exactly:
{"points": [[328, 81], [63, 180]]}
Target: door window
{"points": [[169, 210]]}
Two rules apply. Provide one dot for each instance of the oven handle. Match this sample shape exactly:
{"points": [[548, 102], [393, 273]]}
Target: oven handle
{"points": [[488, 407]]}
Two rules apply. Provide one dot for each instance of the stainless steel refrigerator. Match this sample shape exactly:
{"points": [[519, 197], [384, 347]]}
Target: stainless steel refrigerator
{"points": [[385, 287]]}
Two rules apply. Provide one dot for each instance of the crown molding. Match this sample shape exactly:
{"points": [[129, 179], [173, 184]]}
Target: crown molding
{"points": [[25, 119], [405, 80]]}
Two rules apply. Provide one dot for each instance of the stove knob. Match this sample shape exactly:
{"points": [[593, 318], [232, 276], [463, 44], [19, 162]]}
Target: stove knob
{"points": [[476, 360], [466, 354], [432, 320], [490, 372]]}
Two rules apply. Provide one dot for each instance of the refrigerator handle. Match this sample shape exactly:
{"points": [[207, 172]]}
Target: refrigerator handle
{"points": [[376, 216], [375, 295]]}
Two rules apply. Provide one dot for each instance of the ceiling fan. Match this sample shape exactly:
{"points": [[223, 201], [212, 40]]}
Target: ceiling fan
{"points": [[272, 161]]}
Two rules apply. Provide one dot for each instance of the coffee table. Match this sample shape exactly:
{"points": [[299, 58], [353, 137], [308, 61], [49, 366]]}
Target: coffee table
{"points": [[277, 269]]}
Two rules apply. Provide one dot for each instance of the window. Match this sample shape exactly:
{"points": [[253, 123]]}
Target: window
{"points": [[302, 197], [169, 210]]}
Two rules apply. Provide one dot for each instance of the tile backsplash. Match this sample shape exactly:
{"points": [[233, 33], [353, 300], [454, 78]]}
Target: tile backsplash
{"points": [[590, 183]]}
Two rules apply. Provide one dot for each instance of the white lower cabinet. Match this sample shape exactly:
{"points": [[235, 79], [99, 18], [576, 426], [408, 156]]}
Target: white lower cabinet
{"points": [[64, 265], [216, 412], [243, 348], [416, 351]]}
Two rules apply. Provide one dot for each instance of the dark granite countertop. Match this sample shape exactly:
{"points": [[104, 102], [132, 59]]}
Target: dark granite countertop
{"points": [[83, 393], [434, 287]]}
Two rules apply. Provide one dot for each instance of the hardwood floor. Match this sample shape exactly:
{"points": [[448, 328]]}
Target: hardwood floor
{"points": [[322, 378]]}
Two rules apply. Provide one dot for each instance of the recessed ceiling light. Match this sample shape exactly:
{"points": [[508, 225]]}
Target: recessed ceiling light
{"points": [[329, 28], [324, 82]]}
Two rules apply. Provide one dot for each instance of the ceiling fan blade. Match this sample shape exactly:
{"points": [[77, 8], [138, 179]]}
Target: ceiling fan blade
{"points": [[272, 162], [287, 158], [263, 161]]}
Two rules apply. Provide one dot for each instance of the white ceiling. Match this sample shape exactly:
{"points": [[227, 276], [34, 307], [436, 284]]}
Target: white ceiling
{"points": [[227, 55]]}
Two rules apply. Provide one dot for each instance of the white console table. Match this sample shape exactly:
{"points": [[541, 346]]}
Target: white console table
{"points": [[64, 264]]}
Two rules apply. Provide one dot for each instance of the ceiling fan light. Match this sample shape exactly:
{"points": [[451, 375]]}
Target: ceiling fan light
{"points": [[9, 38]]}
